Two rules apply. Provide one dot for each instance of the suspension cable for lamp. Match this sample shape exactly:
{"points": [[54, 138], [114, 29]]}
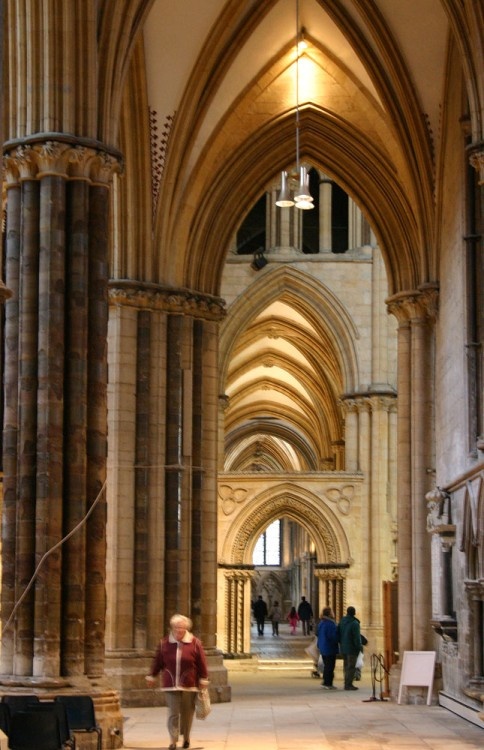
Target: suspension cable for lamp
{"points": [[302, 198]]}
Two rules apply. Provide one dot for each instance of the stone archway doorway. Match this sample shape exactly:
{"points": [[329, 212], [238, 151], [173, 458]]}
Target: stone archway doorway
{"points": [[245, 512]]}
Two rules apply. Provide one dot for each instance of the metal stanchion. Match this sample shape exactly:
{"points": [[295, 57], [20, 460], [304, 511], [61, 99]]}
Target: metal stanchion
{"points": [[378, 670]]}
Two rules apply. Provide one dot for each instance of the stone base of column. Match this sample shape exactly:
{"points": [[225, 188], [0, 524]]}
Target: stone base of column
{"points": [[107, 704], [220, 690], [127, 670]]}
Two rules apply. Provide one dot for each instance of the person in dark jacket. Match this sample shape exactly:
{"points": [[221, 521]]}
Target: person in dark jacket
{"points": [[349, 637], [181, 660], [305, 612], [327, 635], [260, 614]]}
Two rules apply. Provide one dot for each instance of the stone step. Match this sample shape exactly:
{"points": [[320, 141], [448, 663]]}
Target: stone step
{"points": [[259, 664], [292, 665]]}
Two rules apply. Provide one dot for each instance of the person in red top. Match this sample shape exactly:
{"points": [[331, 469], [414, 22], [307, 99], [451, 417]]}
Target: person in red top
{"points": [[181, 660]]}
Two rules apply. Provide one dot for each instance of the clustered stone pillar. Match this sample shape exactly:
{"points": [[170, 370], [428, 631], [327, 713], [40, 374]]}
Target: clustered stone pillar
{"points": [[332, 586], [415, 313], [237, 608], [371, 450], [162, 534], [55, 422]]}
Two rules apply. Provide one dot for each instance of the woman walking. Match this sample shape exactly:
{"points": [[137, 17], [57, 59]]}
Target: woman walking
{"points": [[183, 665]]}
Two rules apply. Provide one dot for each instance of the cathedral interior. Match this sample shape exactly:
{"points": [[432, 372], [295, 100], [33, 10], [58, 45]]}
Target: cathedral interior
{"points": [[242, 332]]}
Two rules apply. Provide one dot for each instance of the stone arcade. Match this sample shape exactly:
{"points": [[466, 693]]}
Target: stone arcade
{"points": [[169, 400]]}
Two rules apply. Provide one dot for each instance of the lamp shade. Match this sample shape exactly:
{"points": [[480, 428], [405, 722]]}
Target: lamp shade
{"points": [[304, 204], [284, 199], [302, 193]]}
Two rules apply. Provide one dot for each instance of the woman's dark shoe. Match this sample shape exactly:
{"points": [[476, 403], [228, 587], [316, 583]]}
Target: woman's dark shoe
{"points": [[186, 743], [172, 746]]}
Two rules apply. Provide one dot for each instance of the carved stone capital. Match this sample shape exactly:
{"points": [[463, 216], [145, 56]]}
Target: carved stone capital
{"points": [[31, 161], [223, 401], [367, 402], [439, 511], [239, 574], [154, 297], [331, 572], [418, 306], [476, 159]]}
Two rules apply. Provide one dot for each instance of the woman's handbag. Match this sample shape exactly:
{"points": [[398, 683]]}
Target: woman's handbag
{"points": [[202, 704]]}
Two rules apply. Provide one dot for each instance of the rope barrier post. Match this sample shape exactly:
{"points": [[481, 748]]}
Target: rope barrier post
{"points": [[376, 661]]}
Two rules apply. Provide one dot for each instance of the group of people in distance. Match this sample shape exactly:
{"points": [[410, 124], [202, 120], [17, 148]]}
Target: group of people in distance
{"points": [[333, 639], [303, 614]]}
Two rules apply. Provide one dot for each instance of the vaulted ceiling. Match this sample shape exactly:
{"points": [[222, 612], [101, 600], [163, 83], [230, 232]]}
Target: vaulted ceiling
{"points": [[219, 80]]}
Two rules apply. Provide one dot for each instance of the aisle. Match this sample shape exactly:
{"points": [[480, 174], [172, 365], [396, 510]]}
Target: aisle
{"points": [[282, 707], [277, 710]]}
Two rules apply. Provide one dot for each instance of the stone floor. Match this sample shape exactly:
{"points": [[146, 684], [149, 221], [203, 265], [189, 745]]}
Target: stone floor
{"points": [[278, 705]]}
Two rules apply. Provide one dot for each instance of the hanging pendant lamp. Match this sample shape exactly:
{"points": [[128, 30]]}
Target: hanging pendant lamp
{"points": [[302, 197]]}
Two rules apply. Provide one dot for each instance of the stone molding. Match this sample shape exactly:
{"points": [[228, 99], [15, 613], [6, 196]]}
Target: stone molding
{"points": [[230, 497], [148, 296], [281, 506]]}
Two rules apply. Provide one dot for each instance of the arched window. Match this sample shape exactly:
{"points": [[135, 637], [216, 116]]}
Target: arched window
{"points": [[267, 551]]}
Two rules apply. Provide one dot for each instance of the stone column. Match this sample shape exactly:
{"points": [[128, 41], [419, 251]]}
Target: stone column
{"points": [[355, 220], [170, 424], [368, 426], [405, 593], [364, 462], [392, 484], [350, 407], [379, 548], [223, 404], [237, 609], [325, 225], [55, 417], [415, 313], [422, 459], [332, 587]]}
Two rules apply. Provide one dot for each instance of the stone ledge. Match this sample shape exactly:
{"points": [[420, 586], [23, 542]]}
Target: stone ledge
{"points": [[461, 709]]}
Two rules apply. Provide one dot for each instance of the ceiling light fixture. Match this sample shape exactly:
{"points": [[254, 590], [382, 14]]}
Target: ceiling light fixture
{"points": [[301, 197]]}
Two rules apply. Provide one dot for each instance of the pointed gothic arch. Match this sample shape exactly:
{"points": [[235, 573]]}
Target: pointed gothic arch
{"points": [[309, 296], [249, 516], [300, 505]]}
